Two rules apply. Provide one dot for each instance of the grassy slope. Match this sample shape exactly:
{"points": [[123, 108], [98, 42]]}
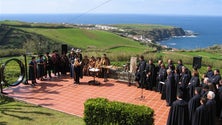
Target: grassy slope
{"points": [[208, 58], [214, 56], [82, 38], [20, 113]]}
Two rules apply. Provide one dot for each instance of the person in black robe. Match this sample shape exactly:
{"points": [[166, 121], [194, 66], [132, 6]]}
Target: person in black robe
{"points": [[33, 71], [209, 72], [220, 97], [141, 73], [64, 63], [178, 114], [211, 107], [151, 75], [170, 65], [56, 63], [40, 68], [215, 82], [171, 88], [179, 66], [80, 57], [193, 103], [205, 89], [77, 71], [215, 78], [72, 57], [157, 70], [161, 77], [194, 82], [177, 78], [201, 115], [184, 83], [48, 65]]}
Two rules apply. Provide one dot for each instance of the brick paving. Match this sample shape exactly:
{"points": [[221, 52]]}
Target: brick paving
{"points": [[62, 95]]}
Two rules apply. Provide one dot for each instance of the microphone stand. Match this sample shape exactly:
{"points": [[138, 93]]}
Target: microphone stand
{"points": [[1, 80], [26, 73]]}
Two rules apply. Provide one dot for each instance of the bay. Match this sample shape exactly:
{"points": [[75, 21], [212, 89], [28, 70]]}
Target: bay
{"points": [[208, 28]]}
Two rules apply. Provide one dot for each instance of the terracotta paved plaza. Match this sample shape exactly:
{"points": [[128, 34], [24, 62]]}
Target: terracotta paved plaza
{"points": [[62, 95]]}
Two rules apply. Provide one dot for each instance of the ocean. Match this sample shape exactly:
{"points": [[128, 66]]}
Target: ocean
{"points": [[208, 28]]}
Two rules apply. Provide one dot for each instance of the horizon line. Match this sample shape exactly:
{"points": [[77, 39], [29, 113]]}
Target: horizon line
{"points": [[157, 14]]}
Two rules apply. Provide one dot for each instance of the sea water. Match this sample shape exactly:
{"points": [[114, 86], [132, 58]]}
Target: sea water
{"points": [[208, 28]]}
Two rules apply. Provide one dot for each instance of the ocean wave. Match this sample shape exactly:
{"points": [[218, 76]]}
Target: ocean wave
{"points": [[187, 36], [172, 44]]}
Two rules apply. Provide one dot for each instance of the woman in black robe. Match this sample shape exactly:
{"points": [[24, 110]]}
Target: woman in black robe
{"points": [[201, 116]]}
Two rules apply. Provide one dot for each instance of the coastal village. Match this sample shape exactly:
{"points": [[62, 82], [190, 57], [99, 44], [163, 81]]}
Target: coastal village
{"points": [[142, 36]]}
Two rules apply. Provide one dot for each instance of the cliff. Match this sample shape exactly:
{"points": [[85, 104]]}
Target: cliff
{"points": [[148, 32], [161, 34]]}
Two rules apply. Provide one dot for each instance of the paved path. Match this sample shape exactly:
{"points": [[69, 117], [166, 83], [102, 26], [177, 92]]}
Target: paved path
{"points": [[62, 95]]}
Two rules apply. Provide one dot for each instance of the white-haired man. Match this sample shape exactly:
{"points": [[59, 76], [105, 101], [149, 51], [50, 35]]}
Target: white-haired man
{"points": [[211, 106]]}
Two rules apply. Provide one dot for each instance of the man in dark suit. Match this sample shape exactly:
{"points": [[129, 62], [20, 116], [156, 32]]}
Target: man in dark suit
{"points": [[141, 72]]}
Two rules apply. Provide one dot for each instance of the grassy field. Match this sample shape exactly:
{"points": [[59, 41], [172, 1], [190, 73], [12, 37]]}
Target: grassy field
{"points": [[20, 113], [82, 38]]}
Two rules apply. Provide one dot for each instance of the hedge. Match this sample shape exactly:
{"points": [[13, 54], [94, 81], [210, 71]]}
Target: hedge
{"points": [[101, 111]]}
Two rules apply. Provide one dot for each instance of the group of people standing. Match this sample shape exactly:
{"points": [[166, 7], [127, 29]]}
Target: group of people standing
{"points": [[194, 100], [42, 67], [74, 63]]}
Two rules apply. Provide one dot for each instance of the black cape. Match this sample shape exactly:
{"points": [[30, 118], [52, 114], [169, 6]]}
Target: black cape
{"points": [[178, 114], [211, 107], [201, 116], [194, 82], [171, 89], [192, 105]]}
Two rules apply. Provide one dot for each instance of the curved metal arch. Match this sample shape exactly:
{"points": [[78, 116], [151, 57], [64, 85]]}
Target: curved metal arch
{"points": [[22, 72]]}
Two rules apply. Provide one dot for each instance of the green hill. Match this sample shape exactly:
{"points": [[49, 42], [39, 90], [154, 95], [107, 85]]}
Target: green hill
{"points": [[82, 38], [39, 38]]}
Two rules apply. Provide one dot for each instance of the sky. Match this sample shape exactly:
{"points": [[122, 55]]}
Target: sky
{"points": [[161, 7]]}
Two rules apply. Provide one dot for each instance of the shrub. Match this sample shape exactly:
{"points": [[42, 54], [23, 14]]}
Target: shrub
{"points": [[11, 52], [101, 111]]}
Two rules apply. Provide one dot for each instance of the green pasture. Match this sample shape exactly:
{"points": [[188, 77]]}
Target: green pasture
{"points": [[20, 113], [26, 24], [89, 39], [213, 56]]}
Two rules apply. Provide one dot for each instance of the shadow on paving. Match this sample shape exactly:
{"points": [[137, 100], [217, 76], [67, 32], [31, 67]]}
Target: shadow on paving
{"points": [[8, 109], [3, 123]]}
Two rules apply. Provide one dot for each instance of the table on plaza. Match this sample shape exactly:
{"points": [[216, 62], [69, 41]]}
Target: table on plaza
{"points": [[93, 72]]}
